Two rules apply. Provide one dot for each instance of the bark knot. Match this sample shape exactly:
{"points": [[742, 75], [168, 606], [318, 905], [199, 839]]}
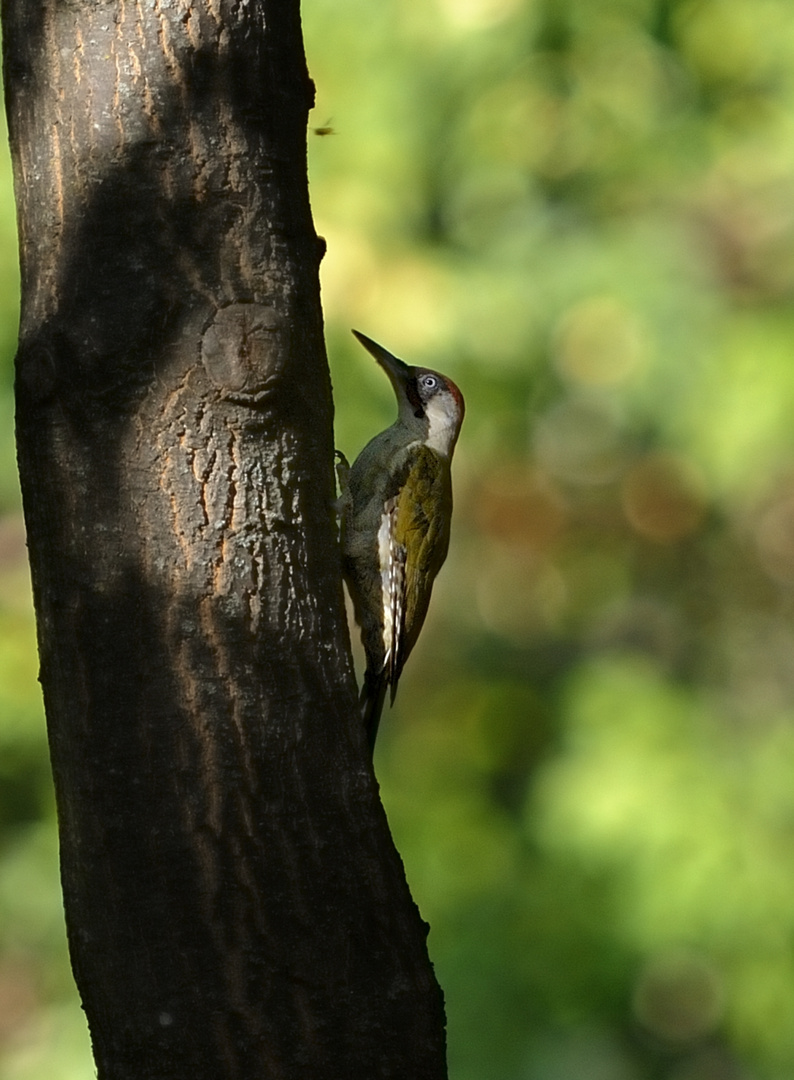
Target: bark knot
{"points": [[243, 350]]}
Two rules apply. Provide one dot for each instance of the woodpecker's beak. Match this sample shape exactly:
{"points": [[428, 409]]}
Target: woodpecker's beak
{"points": [[398, 371]]}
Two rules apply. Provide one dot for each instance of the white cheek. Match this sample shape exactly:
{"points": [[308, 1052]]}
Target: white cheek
{"points": [[442, 427]]}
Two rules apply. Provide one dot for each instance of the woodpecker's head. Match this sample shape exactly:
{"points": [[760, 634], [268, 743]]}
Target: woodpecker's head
{"points": [[429, 403]]}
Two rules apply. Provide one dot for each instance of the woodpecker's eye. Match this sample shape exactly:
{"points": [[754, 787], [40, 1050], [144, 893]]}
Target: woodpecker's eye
{"points": [[429, 382]]}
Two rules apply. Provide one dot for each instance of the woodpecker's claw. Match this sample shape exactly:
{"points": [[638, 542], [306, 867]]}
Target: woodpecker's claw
{"points": [[343, 482]]}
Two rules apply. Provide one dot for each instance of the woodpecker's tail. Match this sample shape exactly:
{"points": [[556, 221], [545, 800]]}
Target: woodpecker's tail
{"points": [[373, 696]]}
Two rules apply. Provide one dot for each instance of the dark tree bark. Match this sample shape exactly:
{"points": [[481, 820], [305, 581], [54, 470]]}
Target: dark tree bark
{"points": [[235, 906]]}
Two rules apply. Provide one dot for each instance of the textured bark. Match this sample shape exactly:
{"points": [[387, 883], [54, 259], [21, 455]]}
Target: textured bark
{"points": [[234, 903]]}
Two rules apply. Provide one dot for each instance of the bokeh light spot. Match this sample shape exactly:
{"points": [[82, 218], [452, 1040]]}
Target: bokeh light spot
{"points": [[663, 497], [774, 536], [478, 14], [520, 507], [679, 997], [578, 440], [600, 343]]}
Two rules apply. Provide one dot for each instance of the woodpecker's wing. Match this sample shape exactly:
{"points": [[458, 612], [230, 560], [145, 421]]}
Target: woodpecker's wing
{"points": [[413, 541]]}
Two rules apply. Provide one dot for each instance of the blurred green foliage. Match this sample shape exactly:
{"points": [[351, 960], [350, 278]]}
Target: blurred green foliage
{"points": [[584, 213]]}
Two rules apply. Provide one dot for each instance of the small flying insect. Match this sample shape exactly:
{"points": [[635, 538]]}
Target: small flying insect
{"points": [[326, 129]]}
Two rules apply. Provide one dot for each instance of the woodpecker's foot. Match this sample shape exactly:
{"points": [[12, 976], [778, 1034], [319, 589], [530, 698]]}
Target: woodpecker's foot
{"points": [[342, 481]]}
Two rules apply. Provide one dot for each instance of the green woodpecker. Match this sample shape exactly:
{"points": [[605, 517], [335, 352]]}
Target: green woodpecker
{"points": [[396, 514]]}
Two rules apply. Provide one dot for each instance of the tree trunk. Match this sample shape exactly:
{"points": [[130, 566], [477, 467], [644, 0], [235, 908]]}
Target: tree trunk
{"points": [[235, 906]]}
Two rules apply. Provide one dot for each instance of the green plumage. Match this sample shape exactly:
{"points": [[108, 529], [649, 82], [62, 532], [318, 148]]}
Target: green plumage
{"points": [[424, 510], [396, 511], [422, 489]]}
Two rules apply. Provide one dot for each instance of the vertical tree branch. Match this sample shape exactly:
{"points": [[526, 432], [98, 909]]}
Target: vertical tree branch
{"points": [[234, 904]]}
